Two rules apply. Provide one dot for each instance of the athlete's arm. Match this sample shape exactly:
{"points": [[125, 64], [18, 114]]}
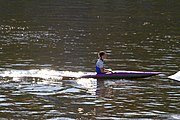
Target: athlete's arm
{"points": [[102, 70]]}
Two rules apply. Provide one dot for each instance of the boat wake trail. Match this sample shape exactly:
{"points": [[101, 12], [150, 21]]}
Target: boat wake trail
{"points": [[175, 76], [35, 73], [52, 74]]}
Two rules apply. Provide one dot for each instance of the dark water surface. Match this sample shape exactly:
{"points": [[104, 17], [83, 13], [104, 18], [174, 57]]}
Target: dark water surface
{"points": [[38, 39]]}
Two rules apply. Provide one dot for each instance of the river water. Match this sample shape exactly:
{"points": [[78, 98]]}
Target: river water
{"points": [[40, 39]]}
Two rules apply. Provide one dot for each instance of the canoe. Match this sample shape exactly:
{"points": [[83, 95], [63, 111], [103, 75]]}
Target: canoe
{"points": [[113, 75]]}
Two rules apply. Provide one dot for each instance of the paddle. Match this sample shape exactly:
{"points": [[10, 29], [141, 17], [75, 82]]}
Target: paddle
{"points": [[109, 71]]}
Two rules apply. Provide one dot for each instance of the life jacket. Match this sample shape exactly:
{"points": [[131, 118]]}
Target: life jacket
{"points": [[98, 70]]}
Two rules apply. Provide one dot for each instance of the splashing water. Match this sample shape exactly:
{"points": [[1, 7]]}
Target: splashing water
{"points": [[175, 76]]}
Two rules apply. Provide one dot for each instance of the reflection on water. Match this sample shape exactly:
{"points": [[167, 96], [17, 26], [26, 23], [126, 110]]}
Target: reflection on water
{"points": [[39, 41]]}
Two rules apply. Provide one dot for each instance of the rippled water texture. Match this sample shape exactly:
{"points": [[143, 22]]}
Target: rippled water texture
{"points": [[41, 40]]}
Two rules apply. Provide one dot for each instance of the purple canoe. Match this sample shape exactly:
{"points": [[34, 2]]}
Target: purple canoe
{"points": [[114, 75]]}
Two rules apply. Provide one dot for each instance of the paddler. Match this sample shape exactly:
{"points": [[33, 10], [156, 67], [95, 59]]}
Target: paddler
{"points": [[100, 63]]}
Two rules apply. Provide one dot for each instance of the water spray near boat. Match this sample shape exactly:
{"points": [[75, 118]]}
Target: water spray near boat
{"points": [[176, 76]]}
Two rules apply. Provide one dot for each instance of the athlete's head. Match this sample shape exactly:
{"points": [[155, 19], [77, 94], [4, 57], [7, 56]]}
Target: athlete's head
{"points": [[102, 55]]}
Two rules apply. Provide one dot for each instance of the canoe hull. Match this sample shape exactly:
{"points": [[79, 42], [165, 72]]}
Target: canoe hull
{"points": [[121, 75]]}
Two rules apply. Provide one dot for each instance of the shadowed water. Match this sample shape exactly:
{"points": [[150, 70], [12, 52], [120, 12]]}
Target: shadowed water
{"points": [[40, 40]]}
